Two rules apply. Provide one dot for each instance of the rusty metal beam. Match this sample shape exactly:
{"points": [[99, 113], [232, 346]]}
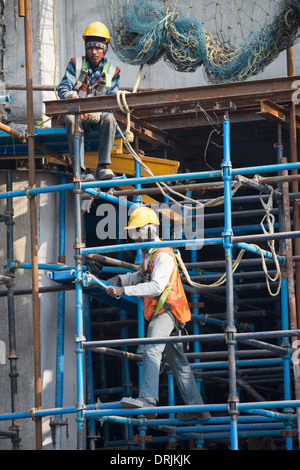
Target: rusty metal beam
{"points": [[274, 112], [154, 135], [163, 101]]}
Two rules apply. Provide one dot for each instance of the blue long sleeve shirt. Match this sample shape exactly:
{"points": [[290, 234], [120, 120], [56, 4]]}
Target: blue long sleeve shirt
{"points": [[69, 79]]}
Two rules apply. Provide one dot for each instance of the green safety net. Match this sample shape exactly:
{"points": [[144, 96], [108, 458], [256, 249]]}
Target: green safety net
{"points": [[232, 39]]}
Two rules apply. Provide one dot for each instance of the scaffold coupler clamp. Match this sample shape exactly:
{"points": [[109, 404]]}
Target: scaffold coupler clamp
{"points": [[58, 422], [230, 335], [232, 405], [26, 191], [77, 181], [228, 165]]}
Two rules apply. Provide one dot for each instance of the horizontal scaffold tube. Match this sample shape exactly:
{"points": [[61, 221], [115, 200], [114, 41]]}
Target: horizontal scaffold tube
{"points": [[253, 249], [150, 179], [137, 246], [34, 413], [190, 243], [188, 338], [263, 237], [108, 197], [189, 408]]}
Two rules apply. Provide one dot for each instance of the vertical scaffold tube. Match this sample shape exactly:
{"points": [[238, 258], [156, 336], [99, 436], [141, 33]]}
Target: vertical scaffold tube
{"points": [[291, 290], [91, 426], [230, 330], [79, 295], [33, 226], [59, 385], [13, 357]]}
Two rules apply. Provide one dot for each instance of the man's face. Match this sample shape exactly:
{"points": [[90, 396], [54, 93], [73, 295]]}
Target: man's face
{"points": [[95, 54], [135, 234]]}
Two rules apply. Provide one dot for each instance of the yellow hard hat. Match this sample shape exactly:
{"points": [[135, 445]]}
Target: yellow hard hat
{"points": [[142, 216], [97, 29]]}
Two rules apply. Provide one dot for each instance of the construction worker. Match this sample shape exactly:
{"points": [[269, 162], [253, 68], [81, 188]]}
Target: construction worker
{"points": [[92, 75], [167, 310]]}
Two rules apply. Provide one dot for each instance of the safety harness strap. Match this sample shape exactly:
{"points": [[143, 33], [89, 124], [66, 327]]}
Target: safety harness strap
{"points": [[82, 69], [166, 291]]}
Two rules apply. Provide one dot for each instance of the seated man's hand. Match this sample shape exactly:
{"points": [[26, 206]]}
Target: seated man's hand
{"points": [[93, 118], [71, 95], [115, 291]]}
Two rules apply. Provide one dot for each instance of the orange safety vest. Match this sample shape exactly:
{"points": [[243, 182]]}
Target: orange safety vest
{"points": [[176, 298]]}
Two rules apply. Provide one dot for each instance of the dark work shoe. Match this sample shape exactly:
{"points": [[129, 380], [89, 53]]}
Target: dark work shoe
{"points": [[87, 177], [134, 403], [194, 415], [104, 173]]}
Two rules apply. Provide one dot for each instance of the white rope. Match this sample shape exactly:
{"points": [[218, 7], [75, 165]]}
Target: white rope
{"points": [[129, 137]]}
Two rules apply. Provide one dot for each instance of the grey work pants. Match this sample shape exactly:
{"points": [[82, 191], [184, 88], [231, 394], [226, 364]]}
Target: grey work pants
{"points": [[162, 326], [106, 128]]}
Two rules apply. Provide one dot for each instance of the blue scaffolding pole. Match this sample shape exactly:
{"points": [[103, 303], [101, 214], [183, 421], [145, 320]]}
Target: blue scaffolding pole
{"points": [[233, 407], [226, 173]]}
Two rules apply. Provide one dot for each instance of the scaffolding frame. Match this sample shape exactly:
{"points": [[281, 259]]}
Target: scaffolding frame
{"points": [[262, 420], [230, 337]]}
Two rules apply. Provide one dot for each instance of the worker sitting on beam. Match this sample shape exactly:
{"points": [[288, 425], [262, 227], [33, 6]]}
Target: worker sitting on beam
{"points": [[92, 75]]}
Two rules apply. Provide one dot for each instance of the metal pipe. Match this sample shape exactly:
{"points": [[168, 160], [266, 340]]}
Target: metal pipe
{"points": [[291, 291], [33, 226], [240, 363], [200, 186], [253, 249], [275, 236], [43, 148], [136, 246], [113, 261], [53, 411], [151, 179], [258, 186], [189, 408], [189, 338], [79, 294], [284, 289], [110, 198], [295, 183], [228, 246], [13, 357], [5, 279], [42, 290], [58, 423], [89, 376]]}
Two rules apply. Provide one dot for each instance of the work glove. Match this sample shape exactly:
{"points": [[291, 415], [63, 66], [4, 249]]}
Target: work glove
{"points": [[71, 95], [93, 118], [93, 266]]}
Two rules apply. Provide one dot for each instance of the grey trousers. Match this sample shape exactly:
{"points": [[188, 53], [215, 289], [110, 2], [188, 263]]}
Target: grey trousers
{"points": [[106, 128], [162, 326]]}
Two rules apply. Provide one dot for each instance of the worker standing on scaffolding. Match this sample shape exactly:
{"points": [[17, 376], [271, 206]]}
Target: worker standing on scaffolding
{"points": [[92, 75], [167, 310]]}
